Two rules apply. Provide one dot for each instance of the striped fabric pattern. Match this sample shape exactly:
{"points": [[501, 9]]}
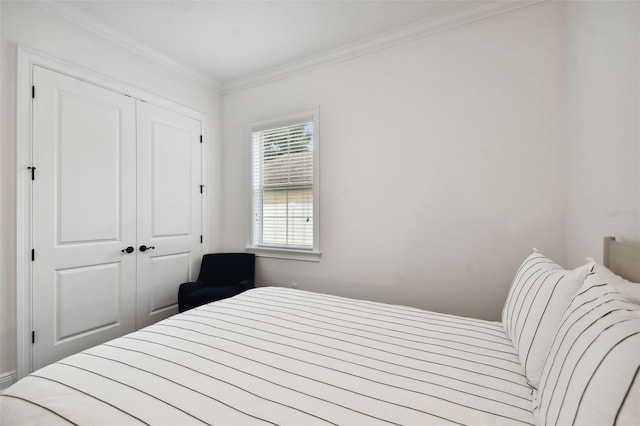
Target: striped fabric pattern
{"points": [[629, 290], [591, 373], [540, 293], [281, 356]]}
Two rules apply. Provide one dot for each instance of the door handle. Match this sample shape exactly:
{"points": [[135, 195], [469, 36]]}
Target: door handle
{"points": [[144, 248], [128, 250]]}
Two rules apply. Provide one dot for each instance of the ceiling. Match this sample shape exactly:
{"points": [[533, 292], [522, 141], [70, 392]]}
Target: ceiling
{"points": [[222, 42]]}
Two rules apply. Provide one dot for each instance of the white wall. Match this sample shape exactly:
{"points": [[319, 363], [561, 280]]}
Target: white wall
{"points": [[442, 163], [28, 25], [603, 139]]}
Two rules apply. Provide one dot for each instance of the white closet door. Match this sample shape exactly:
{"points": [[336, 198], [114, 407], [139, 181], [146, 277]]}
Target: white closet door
{"points": [[169, 209], [84, 215]]}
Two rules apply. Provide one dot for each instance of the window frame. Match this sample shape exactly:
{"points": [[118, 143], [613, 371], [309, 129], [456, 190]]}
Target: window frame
{"points": [[292, 252]]}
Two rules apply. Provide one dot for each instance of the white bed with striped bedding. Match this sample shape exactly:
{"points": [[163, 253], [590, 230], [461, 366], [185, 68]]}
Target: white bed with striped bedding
{"points": [[566, 352], [281, 356]]}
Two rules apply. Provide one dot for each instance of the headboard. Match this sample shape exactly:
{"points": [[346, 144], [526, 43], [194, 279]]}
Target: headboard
{"points": [[623, 258]]}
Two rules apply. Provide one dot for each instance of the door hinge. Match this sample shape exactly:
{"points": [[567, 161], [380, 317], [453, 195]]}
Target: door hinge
{"points": [[33, 92], [200, 138], [201, 188], [201, 239], [33, 336], [33, 172], [33, 255]]}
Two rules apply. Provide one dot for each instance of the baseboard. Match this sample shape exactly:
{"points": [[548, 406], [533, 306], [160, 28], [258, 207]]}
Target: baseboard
{"points": [[7, 379]]}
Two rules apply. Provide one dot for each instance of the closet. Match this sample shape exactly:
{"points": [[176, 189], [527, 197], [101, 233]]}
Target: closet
{"points": [[116, 219]]}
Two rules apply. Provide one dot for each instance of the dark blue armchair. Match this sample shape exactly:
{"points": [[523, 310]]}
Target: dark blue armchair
{"points": [[221, 275]]}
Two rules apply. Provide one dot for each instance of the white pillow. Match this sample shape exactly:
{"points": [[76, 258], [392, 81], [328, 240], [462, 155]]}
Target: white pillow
{"points": [[630, 290], [591, 373], [540, 293]]}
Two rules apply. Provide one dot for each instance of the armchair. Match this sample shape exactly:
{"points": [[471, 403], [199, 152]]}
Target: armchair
{"points": [[221, 275]]}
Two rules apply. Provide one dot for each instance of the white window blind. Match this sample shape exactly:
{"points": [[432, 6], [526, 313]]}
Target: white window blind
{"points": [[283, 189]]}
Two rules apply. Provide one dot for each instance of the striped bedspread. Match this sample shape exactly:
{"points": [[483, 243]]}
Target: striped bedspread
{"points": [[281, 356]]}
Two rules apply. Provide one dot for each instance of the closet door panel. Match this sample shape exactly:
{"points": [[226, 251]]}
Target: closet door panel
{"points": [[165, 272], [89, 292], [84, 214], [171, 180], [88, 162], [169, 209]]}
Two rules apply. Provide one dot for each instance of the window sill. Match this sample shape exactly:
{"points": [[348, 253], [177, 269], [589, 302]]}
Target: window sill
{"points": [[280, 253]]}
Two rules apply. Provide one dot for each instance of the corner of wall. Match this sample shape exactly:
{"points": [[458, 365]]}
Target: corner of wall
{"points": [[603, 125]]}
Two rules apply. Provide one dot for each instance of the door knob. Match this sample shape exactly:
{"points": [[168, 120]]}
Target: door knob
{"points": [[144, 248], [127, 250]]}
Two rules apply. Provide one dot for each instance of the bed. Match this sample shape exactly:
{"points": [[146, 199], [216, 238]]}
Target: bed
{"points": [[275, 355]]}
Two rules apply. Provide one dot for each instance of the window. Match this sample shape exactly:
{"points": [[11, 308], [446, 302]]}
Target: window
{"points": [[285, 186]]}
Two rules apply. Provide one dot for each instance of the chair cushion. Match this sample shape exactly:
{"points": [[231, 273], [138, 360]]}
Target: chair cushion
{"points": [[227, 268], [207, 294]]}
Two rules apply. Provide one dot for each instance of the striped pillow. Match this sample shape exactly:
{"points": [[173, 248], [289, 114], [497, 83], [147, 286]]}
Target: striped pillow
{"points": [[591, 373], [630, 290], [540, 293]]}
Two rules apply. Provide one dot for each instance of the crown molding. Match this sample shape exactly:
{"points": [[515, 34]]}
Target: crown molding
{"points": [[474, 12], [456, 18], [66, 11]]}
